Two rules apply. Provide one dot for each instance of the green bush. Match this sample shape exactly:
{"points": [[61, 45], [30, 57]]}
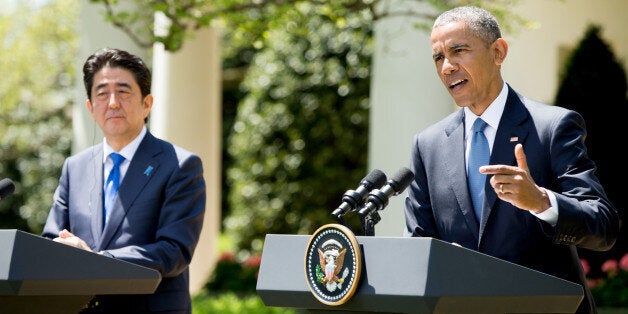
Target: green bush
{"points": [[299, 140], [232, 275], [611, 289], [231, 303], [38, 53]]}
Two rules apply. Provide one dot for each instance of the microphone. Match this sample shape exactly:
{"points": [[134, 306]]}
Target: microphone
{"points": [[6, 188], [352, 199], [378, 199]]}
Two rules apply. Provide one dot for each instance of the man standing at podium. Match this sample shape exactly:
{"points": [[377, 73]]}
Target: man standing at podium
{"points": [[505, 175], [132, 197]]}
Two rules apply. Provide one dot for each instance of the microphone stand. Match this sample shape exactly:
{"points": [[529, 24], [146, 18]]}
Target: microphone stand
{"points": [[340, 220], [368, 223]]}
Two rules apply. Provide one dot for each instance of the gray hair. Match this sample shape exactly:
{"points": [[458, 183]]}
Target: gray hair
{"points": [[481, 23]]}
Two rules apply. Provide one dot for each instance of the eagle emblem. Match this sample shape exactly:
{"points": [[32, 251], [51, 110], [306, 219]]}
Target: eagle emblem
{"points": [[332, 262]]}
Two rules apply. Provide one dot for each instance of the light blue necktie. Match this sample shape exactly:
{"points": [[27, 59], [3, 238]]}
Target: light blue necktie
{"points": [[112, 184], [479, 155]]}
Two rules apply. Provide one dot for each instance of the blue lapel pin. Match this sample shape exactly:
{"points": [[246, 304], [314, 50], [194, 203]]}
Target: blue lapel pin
{"points": [[148, 170]]}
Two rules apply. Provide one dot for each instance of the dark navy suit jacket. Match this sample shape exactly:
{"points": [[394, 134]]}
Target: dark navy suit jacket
{"points": [[438, 203], [156, 220]]}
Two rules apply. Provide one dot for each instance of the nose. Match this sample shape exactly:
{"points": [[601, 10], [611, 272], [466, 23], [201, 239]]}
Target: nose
{"points": [[113, 102], [448, 66]]}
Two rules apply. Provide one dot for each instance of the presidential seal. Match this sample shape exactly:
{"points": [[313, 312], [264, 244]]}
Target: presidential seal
{"points": [[333, 264]]}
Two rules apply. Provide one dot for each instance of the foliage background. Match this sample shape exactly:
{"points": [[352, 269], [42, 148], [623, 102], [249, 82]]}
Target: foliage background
{"points": [[36, 62], [594, 84], [301, 130]]}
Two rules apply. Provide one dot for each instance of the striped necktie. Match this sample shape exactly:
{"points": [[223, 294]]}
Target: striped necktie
{"points": [[112, 184]]}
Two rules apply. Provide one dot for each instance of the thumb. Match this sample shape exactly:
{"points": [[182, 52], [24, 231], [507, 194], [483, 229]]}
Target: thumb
{"points": [[522, 161]]}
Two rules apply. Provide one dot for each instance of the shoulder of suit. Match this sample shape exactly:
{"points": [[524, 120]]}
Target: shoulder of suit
{"points": [[171, 149], [545, 108], [447, 125], [87, 154]]}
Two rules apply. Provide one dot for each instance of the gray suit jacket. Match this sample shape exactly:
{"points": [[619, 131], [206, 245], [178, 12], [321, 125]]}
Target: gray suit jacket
{"points": [[156, 220], [438, 203]]}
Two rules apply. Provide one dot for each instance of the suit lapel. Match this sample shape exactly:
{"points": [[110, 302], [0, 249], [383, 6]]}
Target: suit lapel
{"points": [[95, 203], [140, 171], [453, 155], [509, 132]]}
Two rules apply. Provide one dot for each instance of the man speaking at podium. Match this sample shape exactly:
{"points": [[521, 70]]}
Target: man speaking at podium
{"points": [[517, 183], [132, 197]]}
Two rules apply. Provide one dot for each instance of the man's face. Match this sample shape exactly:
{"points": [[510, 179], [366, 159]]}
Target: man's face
{"points": [[117, 105], [467, 67]]}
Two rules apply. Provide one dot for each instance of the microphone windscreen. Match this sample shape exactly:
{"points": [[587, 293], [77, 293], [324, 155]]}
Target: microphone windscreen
{"points": [[376, 177], [402, 179], [6, 187]]}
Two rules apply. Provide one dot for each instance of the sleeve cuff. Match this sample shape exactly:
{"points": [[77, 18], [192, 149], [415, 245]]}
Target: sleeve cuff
{"points": [[105, 253], [549, 215]]}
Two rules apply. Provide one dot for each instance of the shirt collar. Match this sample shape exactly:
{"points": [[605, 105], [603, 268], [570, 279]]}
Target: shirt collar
{"points": [[127, 151]]}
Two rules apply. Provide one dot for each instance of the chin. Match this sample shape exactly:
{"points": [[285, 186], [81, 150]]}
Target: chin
{"points": [[462, 104]]}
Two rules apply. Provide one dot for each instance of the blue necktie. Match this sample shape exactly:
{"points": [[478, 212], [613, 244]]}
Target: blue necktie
{"points": [[112, 184], [479, 155]]}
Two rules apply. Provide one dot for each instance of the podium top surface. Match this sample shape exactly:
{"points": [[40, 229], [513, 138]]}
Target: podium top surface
{"points": [[34, 265]]}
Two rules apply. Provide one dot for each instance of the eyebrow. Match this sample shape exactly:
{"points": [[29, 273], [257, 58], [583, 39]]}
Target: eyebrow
{"points": [[456, 46], [439, 54], [122, 84]]}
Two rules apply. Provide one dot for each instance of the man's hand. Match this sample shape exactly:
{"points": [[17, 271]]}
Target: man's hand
{"points": [[66, 237], [516, 186]]}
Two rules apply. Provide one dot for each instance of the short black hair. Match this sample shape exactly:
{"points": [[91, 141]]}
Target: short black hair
{"points": [[481, 23], [116, 58]]}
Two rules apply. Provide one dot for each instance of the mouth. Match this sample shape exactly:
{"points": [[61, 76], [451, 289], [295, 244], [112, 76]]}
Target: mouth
{"points": [[114, 117], [458, 83]]}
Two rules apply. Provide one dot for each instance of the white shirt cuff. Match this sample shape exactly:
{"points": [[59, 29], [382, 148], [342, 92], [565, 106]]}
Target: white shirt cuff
{"points": [[549, 215]]}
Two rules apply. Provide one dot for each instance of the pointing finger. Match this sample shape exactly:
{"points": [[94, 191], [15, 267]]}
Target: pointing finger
{"points": [[522, 161]]}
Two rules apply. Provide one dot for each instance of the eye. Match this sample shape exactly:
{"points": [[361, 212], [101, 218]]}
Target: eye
{"points": [[124, 94], [102, 95]]}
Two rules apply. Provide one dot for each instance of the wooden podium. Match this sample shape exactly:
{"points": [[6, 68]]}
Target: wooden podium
{"points": [[38, 275], [416, 275]]}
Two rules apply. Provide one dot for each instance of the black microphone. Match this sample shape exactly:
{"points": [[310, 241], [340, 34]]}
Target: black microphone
{"points": [[6, 188], [378, 199], [353, 199]]}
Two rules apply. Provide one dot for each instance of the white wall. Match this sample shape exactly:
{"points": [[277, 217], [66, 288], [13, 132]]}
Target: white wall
{"points": [[533, 64], [406, 96]]}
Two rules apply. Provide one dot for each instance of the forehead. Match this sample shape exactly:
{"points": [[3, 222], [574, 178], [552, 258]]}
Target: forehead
{"points": [[114, 76], [450, 34]]}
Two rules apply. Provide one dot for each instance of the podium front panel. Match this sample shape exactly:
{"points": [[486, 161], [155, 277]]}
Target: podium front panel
{"points": [[417, 275], [38, 275]]}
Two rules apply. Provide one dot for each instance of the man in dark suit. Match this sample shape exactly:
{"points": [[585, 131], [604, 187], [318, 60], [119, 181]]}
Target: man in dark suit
{"points": [[155, 218], [539, 197]]}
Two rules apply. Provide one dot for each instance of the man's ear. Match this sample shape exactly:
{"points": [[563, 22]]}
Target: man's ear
{"points": [[500, 47], [88, 105], [148, 104]]}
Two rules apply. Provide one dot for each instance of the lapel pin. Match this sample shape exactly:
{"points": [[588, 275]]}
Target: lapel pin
{"points": [[514, 139], [148, 170]]}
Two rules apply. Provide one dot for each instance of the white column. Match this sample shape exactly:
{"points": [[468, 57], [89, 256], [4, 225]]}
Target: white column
{"points": [[406, 96], [187, 111]]}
